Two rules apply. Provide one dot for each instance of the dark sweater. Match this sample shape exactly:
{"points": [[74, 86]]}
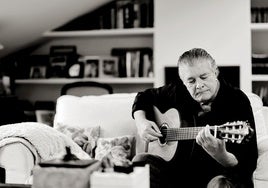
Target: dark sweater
{"points": [[191, 162]]}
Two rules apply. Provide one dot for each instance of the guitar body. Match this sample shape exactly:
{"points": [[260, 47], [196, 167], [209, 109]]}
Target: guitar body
{"points": [[171, 119], [169, 124]]}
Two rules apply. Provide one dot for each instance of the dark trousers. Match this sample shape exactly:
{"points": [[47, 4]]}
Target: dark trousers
{"points": [[165, 174]]}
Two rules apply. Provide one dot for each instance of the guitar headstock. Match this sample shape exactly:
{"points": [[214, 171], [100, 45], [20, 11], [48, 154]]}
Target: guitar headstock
{"points": [[235, 132]]}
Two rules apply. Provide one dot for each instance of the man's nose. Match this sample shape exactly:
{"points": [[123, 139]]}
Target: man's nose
{"points": [[199, 84]]}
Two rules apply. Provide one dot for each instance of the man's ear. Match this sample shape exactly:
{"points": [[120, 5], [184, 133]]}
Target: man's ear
{"points": [[217, 72]]}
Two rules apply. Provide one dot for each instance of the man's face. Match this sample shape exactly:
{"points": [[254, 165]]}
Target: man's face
{"points": [[200, 80]]}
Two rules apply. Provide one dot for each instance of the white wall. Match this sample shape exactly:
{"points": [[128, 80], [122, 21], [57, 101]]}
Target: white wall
{"points": [[22, 22], [220, 27], [98, 45]]}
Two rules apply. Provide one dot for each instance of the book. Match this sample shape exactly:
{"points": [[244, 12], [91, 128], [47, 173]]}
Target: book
{"points": [[128, 15], [146, 13]]}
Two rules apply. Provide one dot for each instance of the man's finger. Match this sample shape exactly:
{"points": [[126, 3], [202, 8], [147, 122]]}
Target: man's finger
{"points": [[208, 133], [154, 131]]}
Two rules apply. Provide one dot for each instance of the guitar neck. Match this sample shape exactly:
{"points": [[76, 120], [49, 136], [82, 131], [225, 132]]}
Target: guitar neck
{"points": [[185, 133]]}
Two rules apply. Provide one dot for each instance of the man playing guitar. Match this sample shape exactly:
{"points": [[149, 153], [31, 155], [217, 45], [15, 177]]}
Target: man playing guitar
{"points": [[213, 157]]}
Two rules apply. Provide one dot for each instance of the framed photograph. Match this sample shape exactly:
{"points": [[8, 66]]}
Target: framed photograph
{"points": [[57, 67], [109, 67], [38, 71], [91, 66]]}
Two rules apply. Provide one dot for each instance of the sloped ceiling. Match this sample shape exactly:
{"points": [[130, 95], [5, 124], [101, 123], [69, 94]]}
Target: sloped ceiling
{"points": [[22, 22]]}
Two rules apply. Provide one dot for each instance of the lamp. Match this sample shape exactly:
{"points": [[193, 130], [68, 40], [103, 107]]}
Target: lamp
{"points": [[1, 46]]}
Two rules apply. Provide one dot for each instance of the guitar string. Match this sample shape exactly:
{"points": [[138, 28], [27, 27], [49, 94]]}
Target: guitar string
{"points": [[173, 134], [181, 133]]}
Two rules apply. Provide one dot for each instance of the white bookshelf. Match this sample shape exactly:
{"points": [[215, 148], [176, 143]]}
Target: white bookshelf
{"points": [[101, 80], [259, 77], [101, 33], [259, 27]]}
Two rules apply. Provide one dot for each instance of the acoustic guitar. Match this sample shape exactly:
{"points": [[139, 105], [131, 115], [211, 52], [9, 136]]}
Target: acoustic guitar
{"points": [[169, 125]]}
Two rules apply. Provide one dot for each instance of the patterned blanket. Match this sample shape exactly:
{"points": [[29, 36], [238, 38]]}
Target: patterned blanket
{"points": [[43, 141]]}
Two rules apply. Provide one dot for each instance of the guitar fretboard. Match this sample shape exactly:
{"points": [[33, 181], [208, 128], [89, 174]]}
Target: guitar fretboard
{"points": [[186, 133]]}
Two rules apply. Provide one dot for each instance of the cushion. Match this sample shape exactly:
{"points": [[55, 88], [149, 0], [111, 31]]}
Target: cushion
{"points": [[85, 137], [120, 150]]}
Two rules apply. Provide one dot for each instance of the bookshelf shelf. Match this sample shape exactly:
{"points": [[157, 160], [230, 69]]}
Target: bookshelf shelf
{"points": [[259, 27], [101, 33], [259, 77], [102, 80]]}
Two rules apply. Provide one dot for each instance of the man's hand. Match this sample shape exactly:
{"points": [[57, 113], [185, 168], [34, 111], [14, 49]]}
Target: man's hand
{"points": [[148, 130], [209, 143], [215, 147]]}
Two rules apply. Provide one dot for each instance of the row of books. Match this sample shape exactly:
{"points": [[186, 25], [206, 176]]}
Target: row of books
{"points": [[123, 62], [259, 15], [134, 62], [116, 14], [260, 63]]}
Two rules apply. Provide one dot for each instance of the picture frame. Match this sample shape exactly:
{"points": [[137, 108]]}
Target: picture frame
{"points": [[108, 66], [91, 66], [57, 67], [38, 71]]}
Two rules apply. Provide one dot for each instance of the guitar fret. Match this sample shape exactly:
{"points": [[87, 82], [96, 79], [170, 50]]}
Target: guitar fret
{"points": [[185, 133]]}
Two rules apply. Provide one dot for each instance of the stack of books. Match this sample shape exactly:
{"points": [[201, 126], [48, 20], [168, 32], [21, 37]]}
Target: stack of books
{"points": [[259, 14]]}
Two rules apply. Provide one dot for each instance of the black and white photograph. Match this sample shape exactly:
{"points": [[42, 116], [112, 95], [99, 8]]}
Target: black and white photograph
{"points": [[145, 93], [108, 67], [91, 69]]}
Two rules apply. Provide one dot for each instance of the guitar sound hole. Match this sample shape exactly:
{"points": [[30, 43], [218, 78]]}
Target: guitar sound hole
{"points": [[163, 130]]}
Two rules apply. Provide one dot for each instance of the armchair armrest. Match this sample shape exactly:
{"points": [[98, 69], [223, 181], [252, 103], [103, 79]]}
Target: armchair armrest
{"points": [[261, 173], [262, 145], [18, 162]]}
